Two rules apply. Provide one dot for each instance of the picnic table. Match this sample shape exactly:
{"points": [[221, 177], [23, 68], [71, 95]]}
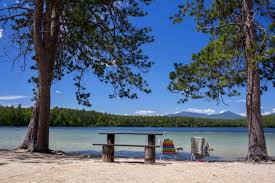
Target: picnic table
{"points": [[149, 149]]}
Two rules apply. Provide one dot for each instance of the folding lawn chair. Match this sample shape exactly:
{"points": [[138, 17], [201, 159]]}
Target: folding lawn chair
{"points": [[167, 148], [200, 149]]}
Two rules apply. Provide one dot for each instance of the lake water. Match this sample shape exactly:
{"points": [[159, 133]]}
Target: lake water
{"points": [[228, 143]]}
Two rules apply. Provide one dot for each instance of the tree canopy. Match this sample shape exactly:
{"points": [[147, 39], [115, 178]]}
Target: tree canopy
{"points": [[219, 69], [93, 36]]}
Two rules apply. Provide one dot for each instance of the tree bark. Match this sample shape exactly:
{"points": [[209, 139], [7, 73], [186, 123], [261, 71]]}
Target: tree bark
{"points": [[45, 34], [31, 136], [42, 144], [256, 146]]}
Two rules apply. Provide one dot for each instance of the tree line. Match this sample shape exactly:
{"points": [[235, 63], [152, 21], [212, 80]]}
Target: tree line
{"points": [[18, 116]]}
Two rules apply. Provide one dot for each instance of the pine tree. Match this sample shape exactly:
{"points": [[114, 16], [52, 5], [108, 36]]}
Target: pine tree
{"points": [[94, 36], [240, 53]]}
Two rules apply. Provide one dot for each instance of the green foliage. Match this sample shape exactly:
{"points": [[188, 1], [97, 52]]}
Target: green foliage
{"points": [[219, 69], [17, 116]]}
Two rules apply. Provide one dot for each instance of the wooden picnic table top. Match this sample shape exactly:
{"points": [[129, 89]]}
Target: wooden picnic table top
{"points": [[131, 132], [127, 145]]}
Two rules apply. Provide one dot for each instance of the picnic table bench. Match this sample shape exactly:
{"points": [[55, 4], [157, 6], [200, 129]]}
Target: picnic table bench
{"points": [[149, 149]]}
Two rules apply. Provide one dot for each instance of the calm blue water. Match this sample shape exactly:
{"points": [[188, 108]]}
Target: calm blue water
{"points": [[228, 143]]}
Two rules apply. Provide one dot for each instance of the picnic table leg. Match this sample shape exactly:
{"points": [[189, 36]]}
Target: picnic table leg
{"points": [[108, 151], [149, 153]]}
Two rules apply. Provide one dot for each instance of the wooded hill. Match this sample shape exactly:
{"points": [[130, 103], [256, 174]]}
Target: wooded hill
{"points": [[18, 116]]}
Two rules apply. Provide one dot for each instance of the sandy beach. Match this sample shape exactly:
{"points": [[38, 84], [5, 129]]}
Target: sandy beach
{"points": [[34, 167]]}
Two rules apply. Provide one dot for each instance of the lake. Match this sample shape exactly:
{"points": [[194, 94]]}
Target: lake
{"points": [[228, 143]]}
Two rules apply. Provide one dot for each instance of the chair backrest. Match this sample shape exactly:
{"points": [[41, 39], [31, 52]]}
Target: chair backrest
{"points": [[168, 147], [199, 146]]}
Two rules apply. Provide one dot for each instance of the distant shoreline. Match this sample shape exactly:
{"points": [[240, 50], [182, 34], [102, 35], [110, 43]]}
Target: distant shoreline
{"points": [[200, 129], [63, 117]]}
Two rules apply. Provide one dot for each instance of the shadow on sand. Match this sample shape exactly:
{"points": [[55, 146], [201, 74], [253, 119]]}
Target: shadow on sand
{"points": [[58, 157], [12, 156], [28, 157]]}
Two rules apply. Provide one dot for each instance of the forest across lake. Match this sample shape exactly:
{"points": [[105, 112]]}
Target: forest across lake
{"points": [[18, 116]]}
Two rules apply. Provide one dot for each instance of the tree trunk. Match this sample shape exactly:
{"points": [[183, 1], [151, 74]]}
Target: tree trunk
{"points": [[45, 73], [256, 146], [31, 136], [37, 137], [45, 35]]}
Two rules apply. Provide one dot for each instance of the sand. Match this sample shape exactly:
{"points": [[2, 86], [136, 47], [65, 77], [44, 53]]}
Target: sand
{"points": [[34, 167]]}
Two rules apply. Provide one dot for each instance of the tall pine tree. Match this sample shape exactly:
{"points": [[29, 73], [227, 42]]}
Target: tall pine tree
{"points": [[240, 53], [65, 36]]}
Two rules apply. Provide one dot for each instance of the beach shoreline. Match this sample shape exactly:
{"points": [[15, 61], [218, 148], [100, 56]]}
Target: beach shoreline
{"points": [[20, 166]]}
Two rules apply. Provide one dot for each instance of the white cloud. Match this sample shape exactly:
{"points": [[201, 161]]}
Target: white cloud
{"points": [[222, 111], [1, 33], [207, 111], [243, 114], [268, 112], [58, 92], [203, 111], [14, 105], [25, 106], [12, 97], [263, 113], [146, 113], [236, 101]]}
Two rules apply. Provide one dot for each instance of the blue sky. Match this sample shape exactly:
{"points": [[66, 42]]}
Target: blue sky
{"points": [[173, 43]]}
